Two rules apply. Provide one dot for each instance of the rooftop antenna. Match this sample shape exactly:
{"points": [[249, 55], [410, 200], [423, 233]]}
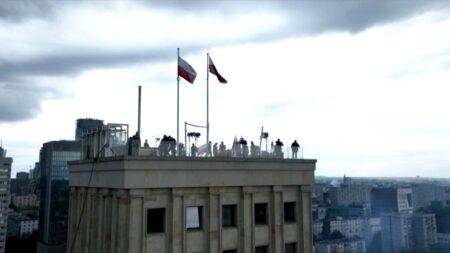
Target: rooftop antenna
{"points": [[139, 112]]}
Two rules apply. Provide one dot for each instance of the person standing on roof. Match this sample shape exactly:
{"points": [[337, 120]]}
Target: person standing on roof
{"points": [[278, 147], [294, 148], [194, 150]]}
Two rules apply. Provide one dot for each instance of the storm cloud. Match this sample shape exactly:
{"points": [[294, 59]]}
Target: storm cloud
{"points": [[20, 77]]}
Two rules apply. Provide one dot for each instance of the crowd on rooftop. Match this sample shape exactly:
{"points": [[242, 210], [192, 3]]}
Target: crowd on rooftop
{"points": [[240, 148]]}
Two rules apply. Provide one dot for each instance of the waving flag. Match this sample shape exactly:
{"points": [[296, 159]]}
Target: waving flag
{"points": [[186, 71], [213, 70]]}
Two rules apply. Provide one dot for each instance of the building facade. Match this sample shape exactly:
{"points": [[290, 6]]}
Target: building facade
{"points": [[341, 246], [83, 126], [443, 238], [54, 190], [394, 199], [21, 225], [396, 232], [424, 230], [5, 176], [153, 204], [349, 194], [25, 201], [348, 227]]}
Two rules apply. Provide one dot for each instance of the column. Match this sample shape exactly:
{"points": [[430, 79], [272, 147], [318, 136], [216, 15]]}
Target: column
{"points": [[136, 234], [177, 223], [107, 221], [214, 221], [122, 220], [305, 220], [276, 222], [246, 221]]}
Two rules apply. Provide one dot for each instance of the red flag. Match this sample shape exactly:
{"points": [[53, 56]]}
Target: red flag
{"points": [[186, 71], [213, 70]]}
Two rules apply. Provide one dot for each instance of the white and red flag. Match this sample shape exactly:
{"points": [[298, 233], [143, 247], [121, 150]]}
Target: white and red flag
{"points": [[213, 70], [186, 71]]}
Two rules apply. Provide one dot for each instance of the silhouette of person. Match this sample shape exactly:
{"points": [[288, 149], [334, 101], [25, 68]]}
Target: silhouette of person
{"points": [[209, 151], [294, 148], [194, 150], [215, 149], [278, 147], [172, 143], [163, 146], [222, 149], [146, 144]]}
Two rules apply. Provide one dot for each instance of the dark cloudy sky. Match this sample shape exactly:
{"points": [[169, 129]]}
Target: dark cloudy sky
{"points": [[363, 85]]}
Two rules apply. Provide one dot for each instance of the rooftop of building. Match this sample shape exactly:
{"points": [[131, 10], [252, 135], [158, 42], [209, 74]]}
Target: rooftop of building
{"points": [[167, 172]]}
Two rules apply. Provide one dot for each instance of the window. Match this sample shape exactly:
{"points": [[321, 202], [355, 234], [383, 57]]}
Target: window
{"points": [[289, 247], [228, 215], [289, 212], [155, 220], [261, 213], [194, 217], [261, 249], [230, 251]]}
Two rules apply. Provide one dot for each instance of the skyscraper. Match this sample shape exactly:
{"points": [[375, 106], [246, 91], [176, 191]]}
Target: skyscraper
{"points": [[85, 125], [5, 175], [396, 232], [54, 189], [424, 230], [395, 199]]}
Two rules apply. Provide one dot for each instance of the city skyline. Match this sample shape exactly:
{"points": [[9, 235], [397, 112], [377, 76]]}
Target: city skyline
{"points": [[361, 86]]}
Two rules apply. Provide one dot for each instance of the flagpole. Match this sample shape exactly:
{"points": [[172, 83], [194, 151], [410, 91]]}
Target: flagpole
{"points": [[178, 103], [207, 104]]}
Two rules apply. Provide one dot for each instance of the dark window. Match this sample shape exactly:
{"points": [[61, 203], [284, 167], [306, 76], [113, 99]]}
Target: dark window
{"points": [[260, 213], [230, 251], [289, 248], [155, 220], [194, 216], [229, 215], [289, 212], [261, 249]]}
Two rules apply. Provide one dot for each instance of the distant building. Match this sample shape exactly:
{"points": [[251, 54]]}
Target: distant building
{"points": [[5, 176], [396, 232], [424, 230], [54, 189], [353, 210], [21, 186], [184, 204], [443, 238], [22, 175], [349, 194], [21, 225], [319, 190], [319, 212], [25, 201], [372, 234], [394, 199], [84, 126], [317, 227], [348, 227], [36, 172], [424, 194], [354, 245], [403, 231]]}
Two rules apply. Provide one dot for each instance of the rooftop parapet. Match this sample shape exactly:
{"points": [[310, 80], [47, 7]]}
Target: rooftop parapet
{"points": [[131, 172]]}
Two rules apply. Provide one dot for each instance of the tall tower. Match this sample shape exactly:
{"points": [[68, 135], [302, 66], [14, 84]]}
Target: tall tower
{"points": [[5, 177], [85, 125], [54, 189]]}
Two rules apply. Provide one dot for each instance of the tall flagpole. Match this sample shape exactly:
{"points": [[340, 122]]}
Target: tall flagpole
{"points": [[178, 103], [207, 105]]}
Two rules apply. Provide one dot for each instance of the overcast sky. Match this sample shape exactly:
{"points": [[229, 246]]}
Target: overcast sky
{"points": [[363, 85]]}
